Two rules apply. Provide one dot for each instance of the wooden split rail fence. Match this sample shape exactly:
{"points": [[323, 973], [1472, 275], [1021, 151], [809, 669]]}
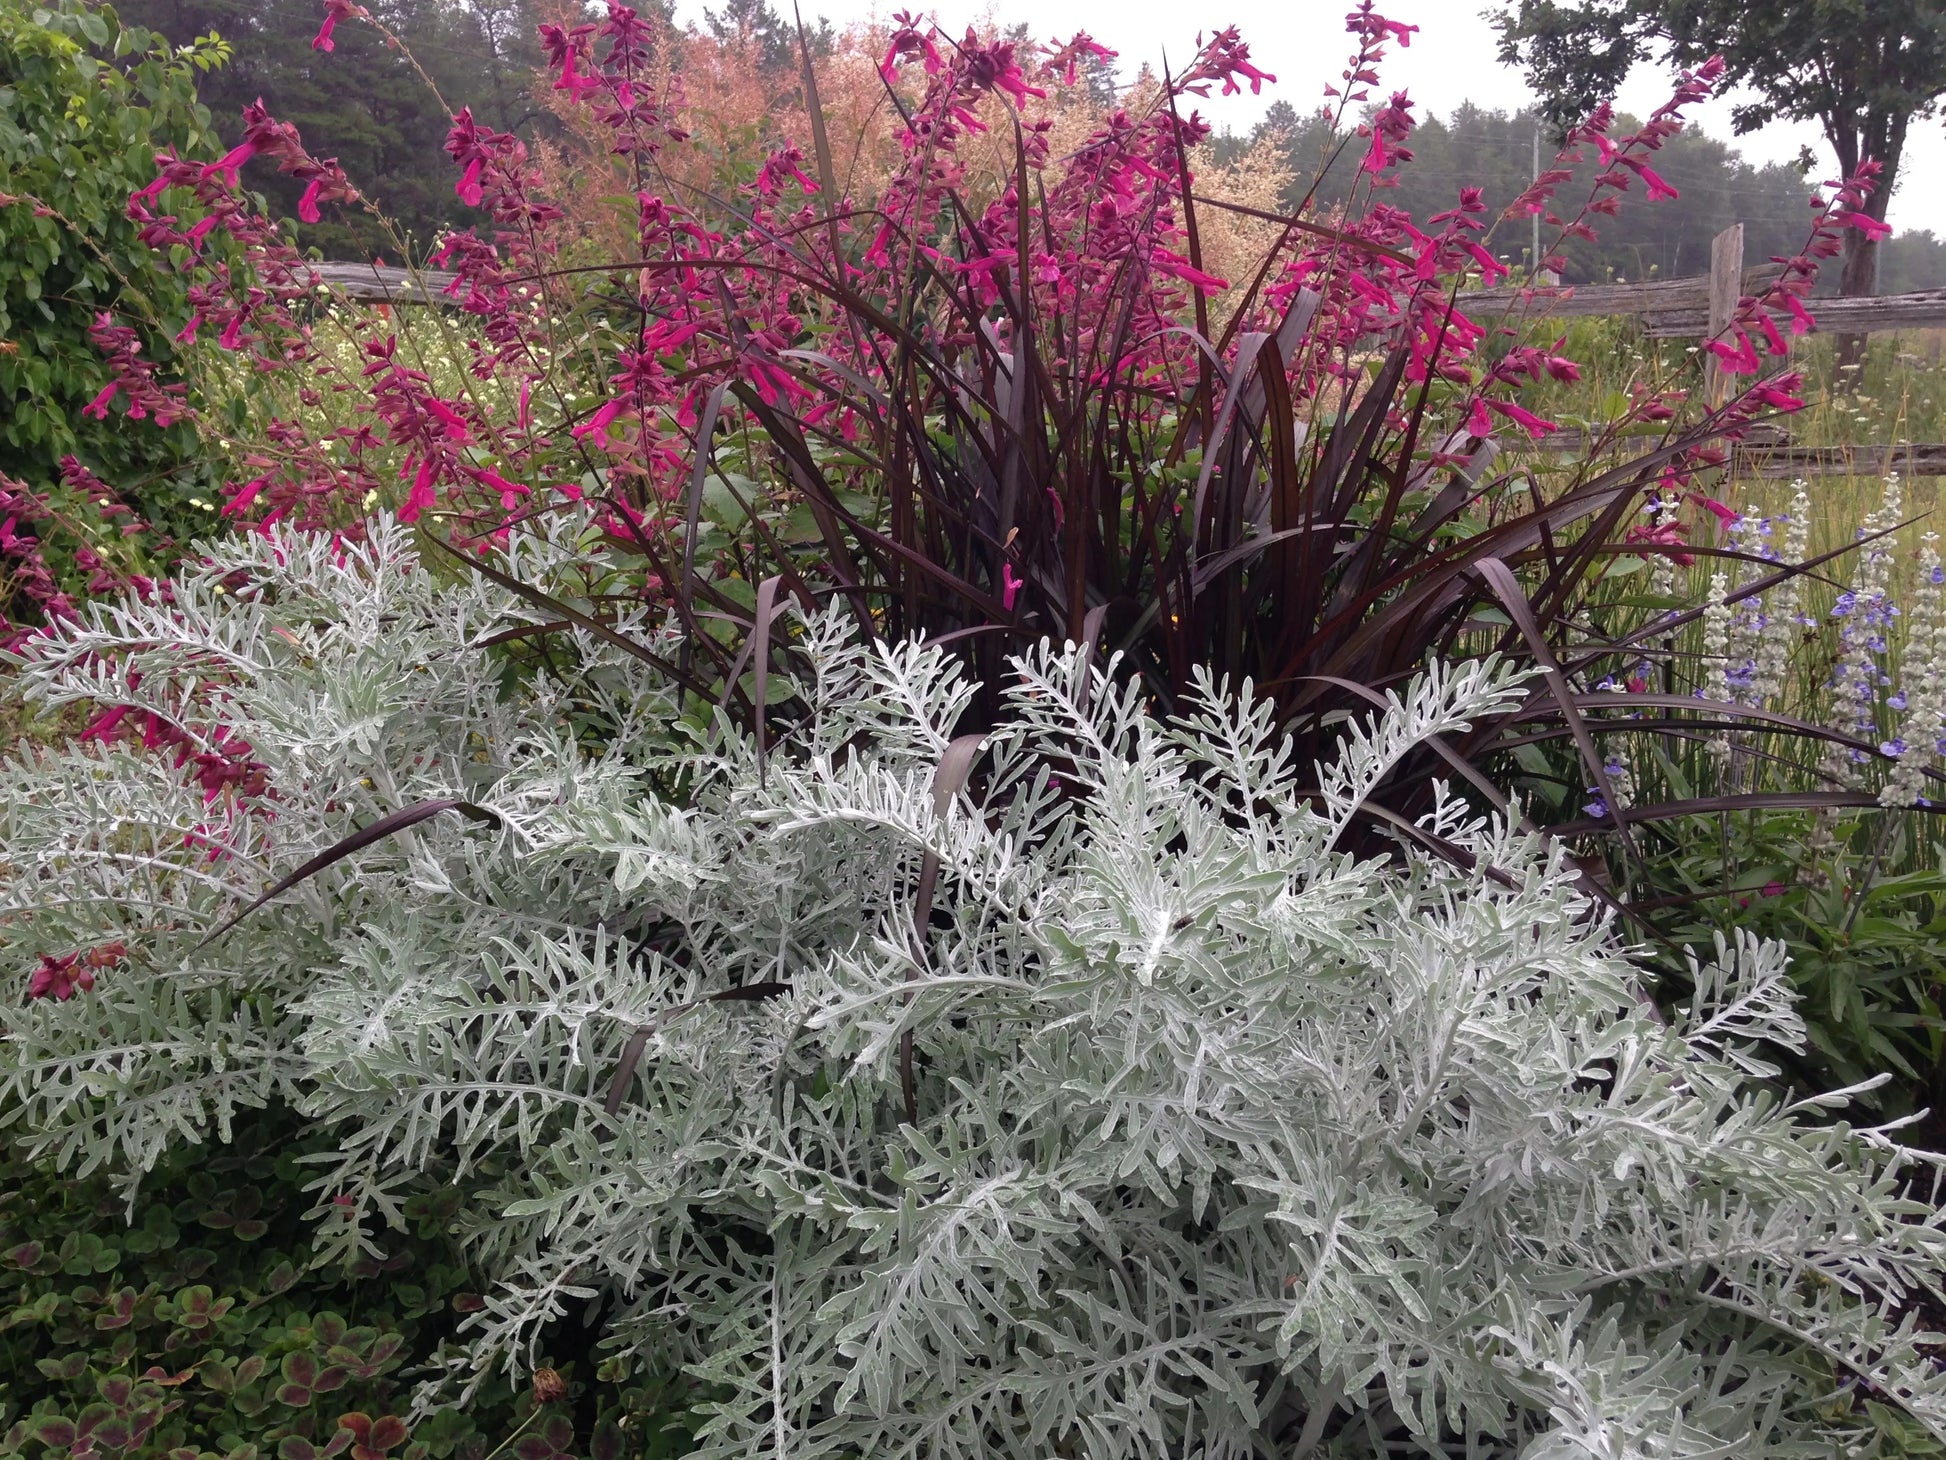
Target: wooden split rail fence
{"points": [[1702, 307], [1670, 309]]}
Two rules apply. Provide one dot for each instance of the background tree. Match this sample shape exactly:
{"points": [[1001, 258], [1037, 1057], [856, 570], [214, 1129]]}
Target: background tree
{"points": [[1493, 150], [1864, 70], [757, 27], [366, 103]]}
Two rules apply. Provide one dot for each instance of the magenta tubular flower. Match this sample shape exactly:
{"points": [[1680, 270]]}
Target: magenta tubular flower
{"points": [[1866, 224], [229, 164], [1532, 424], [98, 407], [455, 424], [335, 11], [422, 494], [1739, 358], [597, 425]]}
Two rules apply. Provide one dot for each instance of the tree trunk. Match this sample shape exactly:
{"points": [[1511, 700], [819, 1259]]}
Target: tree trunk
{"points": [[1881, 138], [1857, 279]]}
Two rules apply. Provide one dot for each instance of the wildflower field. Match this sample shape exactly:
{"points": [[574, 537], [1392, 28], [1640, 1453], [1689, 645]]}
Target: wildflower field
{"points": [[918, 775]]}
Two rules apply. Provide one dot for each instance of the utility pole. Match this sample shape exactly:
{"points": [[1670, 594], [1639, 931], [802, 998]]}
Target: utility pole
{"points": [[1534, 259]]}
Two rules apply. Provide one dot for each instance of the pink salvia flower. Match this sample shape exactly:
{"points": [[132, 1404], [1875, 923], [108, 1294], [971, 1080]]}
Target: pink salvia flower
{"points": [[98, 407], [597, 425], [1532, 424], [335, 11]]}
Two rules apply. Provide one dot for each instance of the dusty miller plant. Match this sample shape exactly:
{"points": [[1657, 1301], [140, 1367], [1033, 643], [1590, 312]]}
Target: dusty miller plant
{"points": [[1083, 1100]]}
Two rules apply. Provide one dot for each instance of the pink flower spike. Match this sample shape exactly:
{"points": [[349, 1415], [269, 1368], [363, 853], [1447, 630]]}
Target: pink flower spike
{"points": [[571, 80], [244, 495], [227, 165], [232, 335], [1532, 424], [1478, 421], [335, 11], [509, 491], [1009, 586], [468, 187], [597, 425], [1738, 359], [1723, 514], [1866, 224], [307, 206], [449, 418], [103, 725], [421, 495], [1658, 189]]}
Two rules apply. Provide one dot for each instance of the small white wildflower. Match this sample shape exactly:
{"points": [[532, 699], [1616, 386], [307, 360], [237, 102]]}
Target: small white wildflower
{"points": [[1662, 579], [1780, 614], [1924, 718], [1864, 612], [1716, 656]]}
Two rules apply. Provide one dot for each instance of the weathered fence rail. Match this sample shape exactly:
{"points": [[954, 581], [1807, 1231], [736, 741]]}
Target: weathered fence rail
{"points": [[1670, 309], [1678, 309], [1702, 308], [1911, 459], [386, 284]]}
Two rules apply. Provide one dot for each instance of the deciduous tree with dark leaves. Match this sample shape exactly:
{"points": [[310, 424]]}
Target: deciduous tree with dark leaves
{"points": [[1863, 70]]}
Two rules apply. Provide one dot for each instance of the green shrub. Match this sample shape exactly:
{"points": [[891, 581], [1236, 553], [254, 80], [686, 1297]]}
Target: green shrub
{"points": [[1081, 1098], [85, 106], [193, 1320]]}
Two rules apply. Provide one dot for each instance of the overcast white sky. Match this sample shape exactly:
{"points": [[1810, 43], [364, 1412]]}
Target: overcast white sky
{"points": [[1451, 60]]}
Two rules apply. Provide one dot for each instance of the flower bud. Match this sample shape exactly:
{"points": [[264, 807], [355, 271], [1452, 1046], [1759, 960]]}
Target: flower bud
{"points": [[549, 1386]]}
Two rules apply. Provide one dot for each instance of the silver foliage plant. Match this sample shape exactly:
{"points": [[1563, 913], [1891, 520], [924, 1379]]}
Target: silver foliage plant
{"points": [[1223, 1140]]}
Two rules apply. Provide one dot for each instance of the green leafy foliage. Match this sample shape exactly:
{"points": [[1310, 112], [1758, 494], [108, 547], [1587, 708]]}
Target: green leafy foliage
{"points": [[197, 1323], [1074, 1090], [1868, 944], [85, 104]]}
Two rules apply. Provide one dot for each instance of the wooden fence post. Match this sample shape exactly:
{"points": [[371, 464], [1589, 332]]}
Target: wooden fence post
{"points": [[1726, 287]]}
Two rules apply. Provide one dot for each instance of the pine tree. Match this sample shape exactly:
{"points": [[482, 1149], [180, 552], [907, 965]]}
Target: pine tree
{"points": [[366, 103]]}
